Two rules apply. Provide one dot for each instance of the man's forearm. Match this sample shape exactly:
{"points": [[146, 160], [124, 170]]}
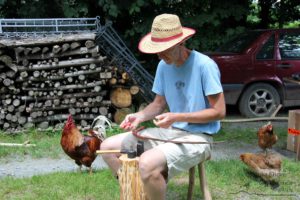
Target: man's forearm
{"points": [[150, 111]]}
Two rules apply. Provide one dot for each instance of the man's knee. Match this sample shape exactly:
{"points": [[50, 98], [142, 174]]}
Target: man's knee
{"points": [[106, 145], [148, 171]]}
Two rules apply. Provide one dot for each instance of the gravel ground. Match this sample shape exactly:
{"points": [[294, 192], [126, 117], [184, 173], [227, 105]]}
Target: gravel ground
{"points": [[20, 167]]}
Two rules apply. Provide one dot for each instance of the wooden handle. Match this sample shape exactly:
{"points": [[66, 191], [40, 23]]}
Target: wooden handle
{"points": [[107, 151]]}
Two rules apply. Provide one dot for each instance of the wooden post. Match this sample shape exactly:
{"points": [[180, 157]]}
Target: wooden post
{"points": [[293, 140], [131, 185]]}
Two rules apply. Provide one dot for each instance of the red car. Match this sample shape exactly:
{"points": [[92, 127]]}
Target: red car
{"points": [[260, 69]]}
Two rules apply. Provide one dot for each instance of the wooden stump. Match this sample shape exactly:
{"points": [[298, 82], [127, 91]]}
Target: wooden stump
{"points": [[131, 185], [293, 140]]}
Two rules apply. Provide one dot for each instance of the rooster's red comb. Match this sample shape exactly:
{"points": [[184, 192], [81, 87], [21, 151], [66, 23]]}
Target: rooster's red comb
{"points": [[70, 122]]}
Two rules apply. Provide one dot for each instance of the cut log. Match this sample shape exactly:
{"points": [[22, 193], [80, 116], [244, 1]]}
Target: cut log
{"points": [[36, 50], [7, 60], [105, 75], [75, 45], [121, 97], [134, 89], [131, 185], [120, 114], [55, 53], [65, 87], [62, 64], [89, 44], [65, 47], [103, 110], [112, 81], [19, 50], [56, 49], [125, 76], [11, 42], [27, 51], [64, 96], [45, 50], [60, 117]]}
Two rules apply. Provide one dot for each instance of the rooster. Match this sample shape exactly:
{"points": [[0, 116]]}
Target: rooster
{"points": [[268, 167], [266, 137], [82, 148]]}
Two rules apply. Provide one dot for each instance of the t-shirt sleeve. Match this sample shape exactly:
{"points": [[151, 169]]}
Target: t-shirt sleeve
{"points": [[211, 78], [157, 87]]}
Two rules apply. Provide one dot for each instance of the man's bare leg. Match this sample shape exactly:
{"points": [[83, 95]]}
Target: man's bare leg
{"points": [[113, 143], [151, 164]]}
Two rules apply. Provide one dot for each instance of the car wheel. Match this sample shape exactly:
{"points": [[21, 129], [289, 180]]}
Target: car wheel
{"points": [[259, 100]]}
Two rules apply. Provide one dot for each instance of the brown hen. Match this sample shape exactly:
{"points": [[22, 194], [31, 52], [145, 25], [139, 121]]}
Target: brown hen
{"points": [[268, 167], [81, 148], [266, 137]]}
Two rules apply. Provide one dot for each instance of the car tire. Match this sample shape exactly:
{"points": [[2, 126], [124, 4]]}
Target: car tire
{"points": [[259, 100]]}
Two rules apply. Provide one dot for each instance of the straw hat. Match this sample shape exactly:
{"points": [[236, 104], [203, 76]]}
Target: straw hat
{"points": [[165, 33]]}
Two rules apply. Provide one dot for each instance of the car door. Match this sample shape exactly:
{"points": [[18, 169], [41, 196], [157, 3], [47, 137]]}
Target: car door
{"points": [[288, 63], [264, 59]]}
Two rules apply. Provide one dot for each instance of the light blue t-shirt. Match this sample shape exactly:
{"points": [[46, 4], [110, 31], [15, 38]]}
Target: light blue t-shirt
{"points": [[186, 87]]}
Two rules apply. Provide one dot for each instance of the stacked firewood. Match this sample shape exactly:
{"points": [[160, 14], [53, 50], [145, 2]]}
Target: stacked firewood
{"points": [[44, 80]]}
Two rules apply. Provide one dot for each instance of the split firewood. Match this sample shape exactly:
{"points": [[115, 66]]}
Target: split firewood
{"points": [[89, 44], [56, 49], [45, 50], [75, 45], [61, 117], [65, 47], [65, 63], [19, 50], [36, 50], [27, 51], [7, 60], [11, 42]]}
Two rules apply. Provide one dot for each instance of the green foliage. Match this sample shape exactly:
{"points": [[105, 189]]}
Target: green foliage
{"points": [[214, 22]]}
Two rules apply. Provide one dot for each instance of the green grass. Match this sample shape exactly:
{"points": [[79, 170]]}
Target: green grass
{"points": [[231, 179], [227, 179], [65, 186], [249, 135], [47, 144]]}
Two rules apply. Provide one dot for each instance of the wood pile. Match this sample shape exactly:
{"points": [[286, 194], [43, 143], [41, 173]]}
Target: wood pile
{"points": [[43, 80]]}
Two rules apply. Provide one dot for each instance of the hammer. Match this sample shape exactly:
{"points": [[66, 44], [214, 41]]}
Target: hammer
{"points": [[130, 153]]}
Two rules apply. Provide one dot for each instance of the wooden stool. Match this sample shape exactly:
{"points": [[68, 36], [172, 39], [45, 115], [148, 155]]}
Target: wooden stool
{"points": [[203, 183]]}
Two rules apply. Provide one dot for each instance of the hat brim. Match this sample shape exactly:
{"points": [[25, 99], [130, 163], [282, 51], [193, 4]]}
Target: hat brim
{"points": [[146, 45]]}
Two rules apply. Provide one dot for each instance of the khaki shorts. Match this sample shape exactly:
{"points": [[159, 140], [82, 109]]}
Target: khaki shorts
{"points": [[180, 157]]}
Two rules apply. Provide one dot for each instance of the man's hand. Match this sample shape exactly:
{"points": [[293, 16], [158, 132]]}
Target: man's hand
{"points": [[130, 122], [164, 120]]}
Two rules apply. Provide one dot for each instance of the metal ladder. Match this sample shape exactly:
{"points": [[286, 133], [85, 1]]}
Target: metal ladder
{"points": [[114, 47]]}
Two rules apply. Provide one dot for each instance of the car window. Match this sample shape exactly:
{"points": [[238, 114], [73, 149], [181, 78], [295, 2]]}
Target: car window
{"points": [[289, 45], [267, 50], [239, 43]]}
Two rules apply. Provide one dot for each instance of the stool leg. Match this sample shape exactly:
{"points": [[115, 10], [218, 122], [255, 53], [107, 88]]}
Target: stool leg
{"points": [[203, 183], [191, 183]]}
